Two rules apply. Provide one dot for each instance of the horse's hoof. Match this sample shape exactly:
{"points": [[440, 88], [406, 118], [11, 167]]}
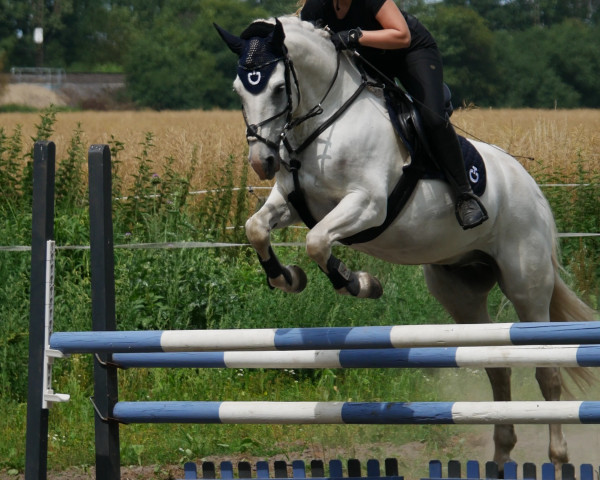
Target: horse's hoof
{"points": [[375, 288], [370, 287], [299, 279], [292, 280]]}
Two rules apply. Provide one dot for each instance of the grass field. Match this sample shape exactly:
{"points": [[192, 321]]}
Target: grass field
{"points": [[225, 288], [557, 139]]}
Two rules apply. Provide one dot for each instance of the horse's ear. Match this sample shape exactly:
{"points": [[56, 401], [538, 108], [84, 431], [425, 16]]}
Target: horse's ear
{"points": [[278, 35], [234, 43]]}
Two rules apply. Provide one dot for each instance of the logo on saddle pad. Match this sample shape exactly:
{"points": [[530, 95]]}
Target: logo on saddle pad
{"points": [[474, 166], [473, 175]]}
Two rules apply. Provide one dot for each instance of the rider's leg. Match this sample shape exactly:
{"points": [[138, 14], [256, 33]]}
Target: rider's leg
{"points": [[422, 76], [444, 144]]}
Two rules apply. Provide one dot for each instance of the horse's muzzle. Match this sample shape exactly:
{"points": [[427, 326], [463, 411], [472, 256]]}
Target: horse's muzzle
{"points": [[267, 164]]}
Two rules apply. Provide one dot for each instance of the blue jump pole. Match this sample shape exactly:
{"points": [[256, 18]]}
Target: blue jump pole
{"points": [[368, 413], [326, 338], [433, 357]]}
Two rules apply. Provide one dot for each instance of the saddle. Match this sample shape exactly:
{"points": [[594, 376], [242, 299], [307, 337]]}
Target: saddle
{"points": [[409, 127]]}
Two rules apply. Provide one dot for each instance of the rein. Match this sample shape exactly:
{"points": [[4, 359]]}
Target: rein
{"points": [[318, 110]]}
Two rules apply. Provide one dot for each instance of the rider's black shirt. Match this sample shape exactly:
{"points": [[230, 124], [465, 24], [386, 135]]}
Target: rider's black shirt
{"points": [[362, 14]]}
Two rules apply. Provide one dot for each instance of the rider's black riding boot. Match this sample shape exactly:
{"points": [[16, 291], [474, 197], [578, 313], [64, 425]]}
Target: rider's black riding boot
{"points": [[444, 145]]}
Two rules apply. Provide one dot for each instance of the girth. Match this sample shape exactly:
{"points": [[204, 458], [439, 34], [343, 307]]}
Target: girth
{"points": [[395, 202]]}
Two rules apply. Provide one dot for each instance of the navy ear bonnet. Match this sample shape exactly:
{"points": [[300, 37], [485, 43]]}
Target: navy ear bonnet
{"points": [[262, 49]]}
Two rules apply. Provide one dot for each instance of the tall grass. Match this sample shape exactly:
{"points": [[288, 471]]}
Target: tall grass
{"points": [[154, 169]]}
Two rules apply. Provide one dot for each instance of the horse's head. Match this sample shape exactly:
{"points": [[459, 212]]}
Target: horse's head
{"points": [[264, 85]]}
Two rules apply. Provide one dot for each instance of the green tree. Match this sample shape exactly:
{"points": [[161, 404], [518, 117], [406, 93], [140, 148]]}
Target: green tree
{"points": [[181, 62], [466, 44], [276, 7], [574, 53], [557, 69], [523, 14]]}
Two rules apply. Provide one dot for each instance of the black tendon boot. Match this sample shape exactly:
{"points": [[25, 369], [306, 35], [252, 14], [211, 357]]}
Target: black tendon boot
{"points": [[444, 144]]}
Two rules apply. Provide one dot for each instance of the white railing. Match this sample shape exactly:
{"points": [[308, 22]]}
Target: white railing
{"points": [[52, 76]]}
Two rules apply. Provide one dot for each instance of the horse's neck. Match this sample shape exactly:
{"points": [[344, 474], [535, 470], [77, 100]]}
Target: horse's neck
{"points": [[317, 69]]}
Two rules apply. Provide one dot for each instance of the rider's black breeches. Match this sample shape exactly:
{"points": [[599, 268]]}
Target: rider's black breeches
{"points": [[421, 74]]}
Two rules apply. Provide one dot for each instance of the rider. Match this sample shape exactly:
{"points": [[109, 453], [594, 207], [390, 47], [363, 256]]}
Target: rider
{"points": [[400, 47]]}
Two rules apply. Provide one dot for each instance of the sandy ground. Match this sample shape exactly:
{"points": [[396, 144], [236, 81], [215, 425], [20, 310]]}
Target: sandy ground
{"points": [[31, 95], [92, 94], [465, 442]]}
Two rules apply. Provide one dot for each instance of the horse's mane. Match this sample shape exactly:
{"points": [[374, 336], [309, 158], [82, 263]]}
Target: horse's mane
{"points": [[298, 32], [292, 22]]}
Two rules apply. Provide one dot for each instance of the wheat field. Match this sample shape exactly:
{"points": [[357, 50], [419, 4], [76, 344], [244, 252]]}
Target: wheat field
{"points": [[556, 139]]}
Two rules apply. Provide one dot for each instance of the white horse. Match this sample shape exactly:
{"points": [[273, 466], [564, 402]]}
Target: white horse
{"points": [[291, 81]]}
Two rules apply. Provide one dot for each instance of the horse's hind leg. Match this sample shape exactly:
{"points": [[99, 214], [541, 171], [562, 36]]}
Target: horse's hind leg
{"points": [[505, 437], [550, 382], [528, 282], [463, 292]]}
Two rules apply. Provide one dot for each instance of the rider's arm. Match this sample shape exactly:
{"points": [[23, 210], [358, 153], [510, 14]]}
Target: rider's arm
{"points": [[395, 33]]}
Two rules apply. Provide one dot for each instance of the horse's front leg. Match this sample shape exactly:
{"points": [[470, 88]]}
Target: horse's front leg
{"points": [[275, 213], [355, 213]]}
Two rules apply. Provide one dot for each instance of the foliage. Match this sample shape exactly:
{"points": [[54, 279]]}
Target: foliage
{"points": [[173, 58], [524, 14], [168, 64], [466, 44], [547, 77], [577, 209]]}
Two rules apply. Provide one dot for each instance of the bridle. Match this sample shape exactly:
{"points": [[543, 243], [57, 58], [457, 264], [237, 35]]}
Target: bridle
{"points": [[252, 130]]}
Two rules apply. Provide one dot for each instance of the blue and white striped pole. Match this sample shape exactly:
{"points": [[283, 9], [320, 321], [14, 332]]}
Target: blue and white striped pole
{"points": [[325, 338], [475, 413], [442, 357]]}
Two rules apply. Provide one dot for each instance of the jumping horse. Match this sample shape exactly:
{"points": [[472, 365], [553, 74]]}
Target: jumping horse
{"points": [[319, 126]]}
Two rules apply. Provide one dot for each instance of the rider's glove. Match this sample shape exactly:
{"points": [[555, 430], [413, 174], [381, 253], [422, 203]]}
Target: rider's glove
{"points": [[346, 39]]}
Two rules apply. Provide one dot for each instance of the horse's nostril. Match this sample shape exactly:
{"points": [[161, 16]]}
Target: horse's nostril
{"points": [[270, 160]]}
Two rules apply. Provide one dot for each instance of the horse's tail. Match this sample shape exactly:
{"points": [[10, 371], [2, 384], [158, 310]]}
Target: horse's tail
{"points": [[566, 306]]}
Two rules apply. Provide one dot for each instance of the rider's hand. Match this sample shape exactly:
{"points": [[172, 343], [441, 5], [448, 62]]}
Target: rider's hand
{"points": [[346, 39]]}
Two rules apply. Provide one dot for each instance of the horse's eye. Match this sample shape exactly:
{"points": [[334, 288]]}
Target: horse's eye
{"points": [[279, 89]]}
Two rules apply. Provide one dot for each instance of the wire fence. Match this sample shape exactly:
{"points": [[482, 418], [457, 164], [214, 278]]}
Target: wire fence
{"points": [[188, 245], [251, 190]]}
